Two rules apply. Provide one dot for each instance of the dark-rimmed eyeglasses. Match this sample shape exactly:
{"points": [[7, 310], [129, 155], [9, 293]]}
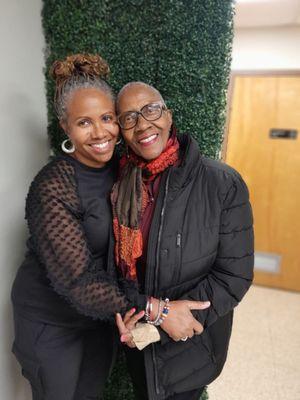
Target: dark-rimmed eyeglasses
{"points": [[150, 112]]}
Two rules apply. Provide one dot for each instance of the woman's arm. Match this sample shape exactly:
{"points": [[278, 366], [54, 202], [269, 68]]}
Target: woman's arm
{"points": [[232, 272], [52, 211], [180, 321]]}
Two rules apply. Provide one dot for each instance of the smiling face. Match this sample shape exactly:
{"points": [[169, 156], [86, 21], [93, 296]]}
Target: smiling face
{"points": [[91, 125], [147, 139]]}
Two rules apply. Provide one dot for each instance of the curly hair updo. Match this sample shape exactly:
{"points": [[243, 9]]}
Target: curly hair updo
{"points": [[78, 71]]}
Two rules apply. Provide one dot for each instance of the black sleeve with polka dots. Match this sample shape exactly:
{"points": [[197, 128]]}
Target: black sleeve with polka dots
{"points": [[53, 213]]}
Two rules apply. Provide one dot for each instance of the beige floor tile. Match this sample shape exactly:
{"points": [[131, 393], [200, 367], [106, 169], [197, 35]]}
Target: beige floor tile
{"points": [[264, 356]]}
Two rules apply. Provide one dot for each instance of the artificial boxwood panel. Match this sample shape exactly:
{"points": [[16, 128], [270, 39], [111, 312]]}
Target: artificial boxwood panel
{"points": [[182, 47], [119, 386]]}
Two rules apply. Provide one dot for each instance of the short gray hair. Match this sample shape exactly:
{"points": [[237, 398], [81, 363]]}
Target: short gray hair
{"points": [[142, 84]]}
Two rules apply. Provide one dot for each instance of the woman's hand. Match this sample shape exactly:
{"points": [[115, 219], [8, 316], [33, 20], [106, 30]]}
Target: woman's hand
{"points": [[180, 322], [127, 324]]}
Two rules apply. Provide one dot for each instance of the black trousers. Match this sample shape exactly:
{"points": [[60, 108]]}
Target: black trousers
{"points": [[64, 363], [135, 362]]}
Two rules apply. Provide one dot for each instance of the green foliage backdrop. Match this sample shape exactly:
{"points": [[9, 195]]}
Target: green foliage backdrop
{"points": [[182, 47]]}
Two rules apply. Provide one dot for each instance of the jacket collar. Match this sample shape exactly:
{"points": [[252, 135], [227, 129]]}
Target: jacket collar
{"points": [[190, 161]]}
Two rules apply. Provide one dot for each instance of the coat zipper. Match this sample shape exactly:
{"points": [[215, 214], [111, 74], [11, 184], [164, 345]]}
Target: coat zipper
{"points": [[151, 285], [178, 240], [162, 215], [178, 258]]}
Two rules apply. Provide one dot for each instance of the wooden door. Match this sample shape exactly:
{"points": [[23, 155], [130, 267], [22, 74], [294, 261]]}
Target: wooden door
{"points": [[271, 169]]}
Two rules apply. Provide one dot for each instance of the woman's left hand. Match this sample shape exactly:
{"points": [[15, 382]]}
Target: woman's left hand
{"points": [[127, 324]]}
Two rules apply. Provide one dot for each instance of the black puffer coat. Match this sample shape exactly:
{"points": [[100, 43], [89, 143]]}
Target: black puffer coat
{"points": [[200, 248]]}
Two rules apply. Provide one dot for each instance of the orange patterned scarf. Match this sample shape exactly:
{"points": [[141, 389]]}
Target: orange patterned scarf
{"points": [[129, 199]]}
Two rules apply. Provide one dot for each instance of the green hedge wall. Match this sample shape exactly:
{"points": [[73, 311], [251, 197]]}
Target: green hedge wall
{"points": [[182, 47]]}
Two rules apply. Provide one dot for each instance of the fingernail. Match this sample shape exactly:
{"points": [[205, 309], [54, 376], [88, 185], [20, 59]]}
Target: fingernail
{"points": [[207, 303], [122, 339]]}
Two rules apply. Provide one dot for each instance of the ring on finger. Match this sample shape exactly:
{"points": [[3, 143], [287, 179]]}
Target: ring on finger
{"points": [[184, 339]]}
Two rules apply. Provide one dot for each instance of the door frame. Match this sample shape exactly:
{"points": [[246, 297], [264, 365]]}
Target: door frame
{"points": [[238, 73]]}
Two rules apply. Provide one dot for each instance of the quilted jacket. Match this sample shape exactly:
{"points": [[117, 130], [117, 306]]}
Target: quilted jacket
{"points": [[200, 248]]}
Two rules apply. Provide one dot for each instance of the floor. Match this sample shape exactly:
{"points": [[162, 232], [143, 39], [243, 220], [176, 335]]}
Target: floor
{"points": [[264, 355]]}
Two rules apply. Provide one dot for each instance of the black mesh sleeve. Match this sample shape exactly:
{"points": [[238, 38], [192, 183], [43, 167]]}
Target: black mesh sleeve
{"points": [[53, 213]]}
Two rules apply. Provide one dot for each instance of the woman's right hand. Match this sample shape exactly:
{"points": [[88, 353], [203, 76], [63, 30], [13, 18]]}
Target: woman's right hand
{"points": [[127, 324], [180, 322]]}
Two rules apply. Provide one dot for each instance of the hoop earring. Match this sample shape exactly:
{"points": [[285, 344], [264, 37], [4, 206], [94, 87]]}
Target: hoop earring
{"points": [[70, 149], [119, 141]]}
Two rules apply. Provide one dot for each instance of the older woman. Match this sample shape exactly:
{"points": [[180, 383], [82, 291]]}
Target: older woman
{"points": [[183, 227]]}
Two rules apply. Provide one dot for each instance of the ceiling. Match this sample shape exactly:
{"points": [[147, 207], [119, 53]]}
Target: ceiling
{"points": [[267, 13]]}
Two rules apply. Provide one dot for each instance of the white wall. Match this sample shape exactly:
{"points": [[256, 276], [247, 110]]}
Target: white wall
{"points": [[266, 49], [24, 147], [23, 150]]}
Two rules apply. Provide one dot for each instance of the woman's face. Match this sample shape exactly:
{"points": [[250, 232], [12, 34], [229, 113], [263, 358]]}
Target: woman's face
{"points": [[91, 125], [148, 138]]}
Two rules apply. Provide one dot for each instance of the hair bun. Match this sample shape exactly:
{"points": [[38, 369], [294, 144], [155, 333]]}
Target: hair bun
{"points": [[80, 64]]}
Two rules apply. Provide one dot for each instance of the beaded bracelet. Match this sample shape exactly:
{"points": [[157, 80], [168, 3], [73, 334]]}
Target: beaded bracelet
{"points": [[162, 313]]}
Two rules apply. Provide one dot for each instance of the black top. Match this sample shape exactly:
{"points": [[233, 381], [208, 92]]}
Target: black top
{"points": [[94, 186], [68, 274]]}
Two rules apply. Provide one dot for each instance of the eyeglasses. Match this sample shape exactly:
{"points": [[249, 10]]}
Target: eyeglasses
{"points": [[150, 112]]}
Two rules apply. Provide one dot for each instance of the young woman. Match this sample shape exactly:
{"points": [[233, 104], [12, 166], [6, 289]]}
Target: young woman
{"points": [[183, 227], [66, 291]]}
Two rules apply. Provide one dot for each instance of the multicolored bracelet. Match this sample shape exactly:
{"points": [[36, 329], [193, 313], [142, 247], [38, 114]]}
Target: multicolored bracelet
{"points": [[162, 312]]}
